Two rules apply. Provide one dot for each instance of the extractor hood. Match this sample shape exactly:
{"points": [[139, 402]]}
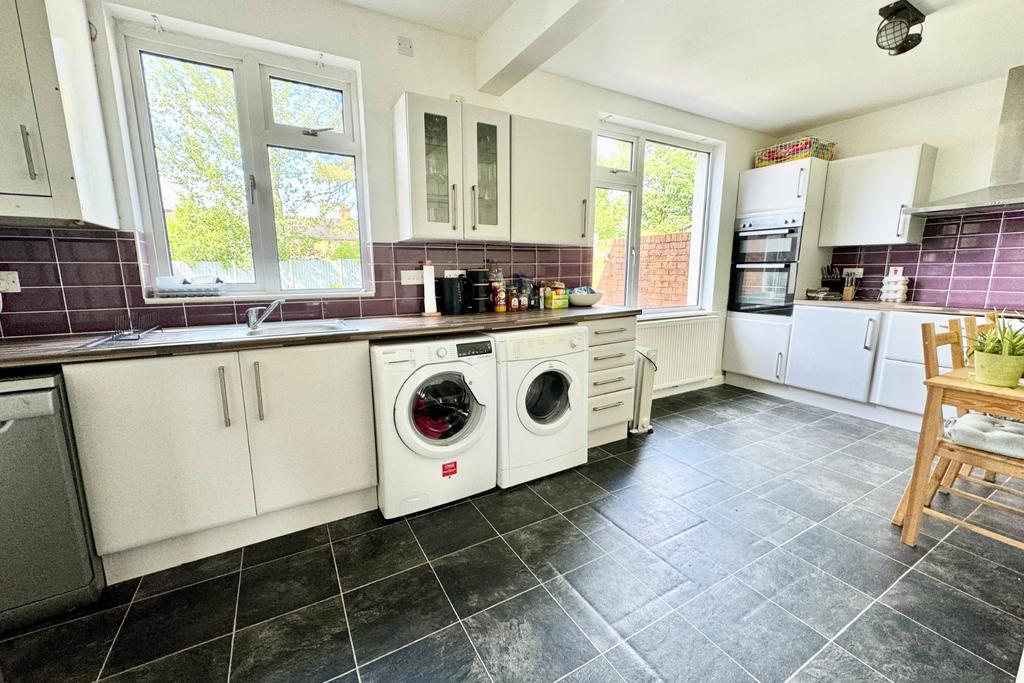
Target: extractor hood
{"points": [[1006, 184]]}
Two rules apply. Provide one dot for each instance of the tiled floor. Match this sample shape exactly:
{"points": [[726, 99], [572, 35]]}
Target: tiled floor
{"points": [[746, 539]]}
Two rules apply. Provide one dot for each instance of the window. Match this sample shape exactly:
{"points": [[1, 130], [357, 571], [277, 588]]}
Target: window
{"points": [[251, 167], [649, 220]]}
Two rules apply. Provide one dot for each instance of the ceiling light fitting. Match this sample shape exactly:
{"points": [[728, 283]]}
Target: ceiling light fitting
{"points": [[894, 32]]}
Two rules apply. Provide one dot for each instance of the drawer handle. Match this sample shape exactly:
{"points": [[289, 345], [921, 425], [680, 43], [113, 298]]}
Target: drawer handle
{"points": [[609, 356], [609, 406], [615, 331], [259, 390], [609, 381], [224, 396]]}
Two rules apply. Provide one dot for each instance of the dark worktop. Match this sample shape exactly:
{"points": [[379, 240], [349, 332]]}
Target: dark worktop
{"points": [[208, 339]]}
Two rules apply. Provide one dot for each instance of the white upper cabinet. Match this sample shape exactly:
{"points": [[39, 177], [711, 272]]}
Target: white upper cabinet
{"points": [[54, 166], [832, 350], [757, 346], [551, 182], [781, 187], [867, 196], [451, 170]]}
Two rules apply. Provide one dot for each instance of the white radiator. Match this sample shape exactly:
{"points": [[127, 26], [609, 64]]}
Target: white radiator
{"points": [[689, 349]]}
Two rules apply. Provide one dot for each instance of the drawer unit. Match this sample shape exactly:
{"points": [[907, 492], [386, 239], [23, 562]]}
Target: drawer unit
{"points": [[611, 331], [610, 410], [613, 379], [612, 356]]}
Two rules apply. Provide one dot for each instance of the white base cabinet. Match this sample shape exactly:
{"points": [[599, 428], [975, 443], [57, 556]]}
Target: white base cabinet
{"points": [[832, 350], [757, 346]]}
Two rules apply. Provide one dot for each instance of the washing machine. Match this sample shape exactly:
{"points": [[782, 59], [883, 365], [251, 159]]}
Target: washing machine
{"points": [[542, 402], [436, 419]]}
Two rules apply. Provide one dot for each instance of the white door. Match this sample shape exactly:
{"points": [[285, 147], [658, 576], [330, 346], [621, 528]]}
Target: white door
{"points": [[310, 415], [435, 173], [22, 167], [485, 148], [547, 397], [551, 190], [773, 188], [439, 411], [162, 446], [757, 347], [832, 351]]}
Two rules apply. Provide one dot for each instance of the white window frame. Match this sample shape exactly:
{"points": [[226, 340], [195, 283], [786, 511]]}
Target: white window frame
{"points": [[633, 182], [253, 70]]}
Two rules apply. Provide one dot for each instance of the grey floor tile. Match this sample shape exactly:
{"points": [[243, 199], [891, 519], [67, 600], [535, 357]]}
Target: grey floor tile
{"points": [[647, 518], [310, 644], [755, 431], [822, 437], [73, 651], [721, 439], [862, 470], [529, 638], [672, 650], [763, 517], [597, 453], [676, 579], [190, 572], [878, 534], [903, 650], [847, 560], [805, 501], [680, 424], [849, 425], [281, 546], [992, 634], [754, 403], [776, 422], [797, 446], [274, 588], [834, 664], [376, 554], [736, 471], [117, 595], [825, 603], [552, 546], [804, 414], [395, 611], [610, 474], [444, 656], [977, 576], [566, 490], [481, 575], [883, 503], [990, 549], [512, 508], [707, 496], [762, 637], [769, 457], [624, 445], [449, 529], [688, 450], [726, 544], [206, 662], [358, 524], [668, 476], [705, 416], [884, 449], [597, 670], [607, 603], [830, 482]]}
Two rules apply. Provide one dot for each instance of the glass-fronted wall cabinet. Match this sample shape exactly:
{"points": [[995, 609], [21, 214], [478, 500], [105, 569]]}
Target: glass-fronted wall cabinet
{"points": [[451, 169]]}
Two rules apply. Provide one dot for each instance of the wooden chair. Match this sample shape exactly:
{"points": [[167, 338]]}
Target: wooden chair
{"points": [[956, 460]]}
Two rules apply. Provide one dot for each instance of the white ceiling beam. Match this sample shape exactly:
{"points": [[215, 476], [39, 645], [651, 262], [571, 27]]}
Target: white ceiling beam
{"points": [[529, 33]]}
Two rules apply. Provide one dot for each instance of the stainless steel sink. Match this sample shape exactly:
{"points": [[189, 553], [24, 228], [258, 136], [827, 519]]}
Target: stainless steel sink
{"points": [[223, 333], [298, 327]]}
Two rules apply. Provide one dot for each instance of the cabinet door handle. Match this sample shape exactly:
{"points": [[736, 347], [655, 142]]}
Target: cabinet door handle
{"points": [[472, 191], [867, 333], [252, 189], [609, 356], [455, 212], [899, 221], [28, 153], [800, 183], [221, 371], [259, 389], [778, 366], [608, 407], [609, 381], [615, 331], [583, 233]]}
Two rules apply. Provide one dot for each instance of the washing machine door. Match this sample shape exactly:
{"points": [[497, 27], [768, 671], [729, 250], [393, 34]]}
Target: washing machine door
{"points": [[547, 395], [440, 409]]}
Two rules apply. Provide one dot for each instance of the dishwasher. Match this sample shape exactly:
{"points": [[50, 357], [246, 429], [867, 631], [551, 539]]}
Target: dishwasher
{"points": [[47, 562]]}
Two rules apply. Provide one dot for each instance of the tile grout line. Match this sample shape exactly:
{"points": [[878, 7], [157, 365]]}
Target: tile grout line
{"points": [[117, 633], [344, 609], [234, 618]]}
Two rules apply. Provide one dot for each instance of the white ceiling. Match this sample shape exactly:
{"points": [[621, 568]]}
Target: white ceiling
{"points": [[466, 18], [781, 65]]}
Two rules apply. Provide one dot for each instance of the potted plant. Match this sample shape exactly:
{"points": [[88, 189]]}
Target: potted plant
{"points": [[999, 354]]}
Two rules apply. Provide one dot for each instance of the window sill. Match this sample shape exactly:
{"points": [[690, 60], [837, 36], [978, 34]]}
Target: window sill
{"points": [[253, 296]]}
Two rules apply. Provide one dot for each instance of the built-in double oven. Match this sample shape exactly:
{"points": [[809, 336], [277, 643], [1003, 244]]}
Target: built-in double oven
{"points": [[764, 263]]}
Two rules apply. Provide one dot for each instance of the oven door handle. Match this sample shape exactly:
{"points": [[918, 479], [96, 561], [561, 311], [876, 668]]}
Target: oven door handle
{"points": [[767, 266], [755, 233]]}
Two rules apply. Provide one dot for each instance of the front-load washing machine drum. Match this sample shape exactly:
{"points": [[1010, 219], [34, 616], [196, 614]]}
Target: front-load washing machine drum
{"points": [[437, 412], [547, 395]]}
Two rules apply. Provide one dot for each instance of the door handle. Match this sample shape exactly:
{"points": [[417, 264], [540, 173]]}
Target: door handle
{"points": [[609, 381], [221, 370], [455, 213], [609, 356], [473, 206], [259, 390], [607, 407], [867, 334], [584, 232], [800, 183], [899, 221], [778, 366], [28, 153]]}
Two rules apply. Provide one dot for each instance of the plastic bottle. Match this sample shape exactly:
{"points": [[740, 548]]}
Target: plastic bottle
{"points": [[498, 297]]}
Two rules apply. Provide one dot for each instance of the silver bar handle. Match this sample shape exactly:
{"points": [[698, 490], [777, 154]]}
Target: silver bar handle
{"points": [[221, 371], [252, 189], [867, 333], [615, 331], [584, 231], [767, 266], [778, 366], [609, 381], [455, 213], [608, 407], [609, 356], [473, 203], [28, 153], [800, 183], [899, 221], [259, 390]]}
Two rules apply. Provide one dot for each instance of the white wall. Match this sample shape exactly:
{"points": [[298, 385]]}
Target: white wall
{"points": [[443, 65], [962, 123]]}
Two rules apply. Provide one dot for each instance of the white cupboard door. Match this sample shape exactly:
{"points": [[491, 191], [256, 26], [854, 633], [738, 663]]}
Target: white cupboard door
{"points": [[902, 339], [901, 386], [551, 191], [434, 155], [162, 446], [832, 351], [757, 348], [22, 168], [774, 188], [310, 416], [485, 146]]}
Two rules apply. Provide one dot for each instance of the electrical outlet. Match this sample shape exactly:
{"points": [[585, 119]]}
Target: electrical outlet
{"points": [[404, 46], [412, 277], [855, 272], [9, 282], [453, 273]]}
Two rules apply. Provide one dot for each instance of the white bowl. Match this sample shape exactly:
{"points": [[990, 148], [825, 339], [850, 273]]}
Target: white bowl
{"points": [[585, 299]]}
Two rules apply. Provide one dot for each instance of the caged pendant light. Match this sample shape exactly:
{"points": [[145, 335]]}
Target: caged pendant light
{"points": [[894, 33]]}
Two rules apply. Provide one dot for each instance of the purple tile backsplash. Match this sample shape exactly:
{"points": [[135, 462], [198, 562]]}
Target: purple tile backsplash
{"points": [[81, 281], [973, 261]]}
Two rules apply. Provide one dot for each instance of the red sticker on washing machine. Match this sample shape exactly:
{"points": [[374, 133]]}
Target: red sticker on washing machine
{"points": [[449, 469]]}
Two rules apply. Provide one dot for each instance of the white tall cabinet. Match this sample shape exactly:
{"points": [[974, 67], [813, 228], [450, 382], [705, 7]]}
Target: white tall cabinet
{"points": [[788, 186]]}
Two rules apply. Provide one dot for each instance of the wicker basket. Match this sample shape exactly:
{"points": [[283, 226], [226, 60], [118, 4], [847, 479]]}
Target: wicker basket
{"points": [[800, 148]]}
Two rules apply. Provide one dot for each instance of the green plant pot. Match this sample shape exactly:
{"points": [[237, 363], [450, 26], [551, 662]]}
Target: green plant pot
{"points": [[998, 370]]}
